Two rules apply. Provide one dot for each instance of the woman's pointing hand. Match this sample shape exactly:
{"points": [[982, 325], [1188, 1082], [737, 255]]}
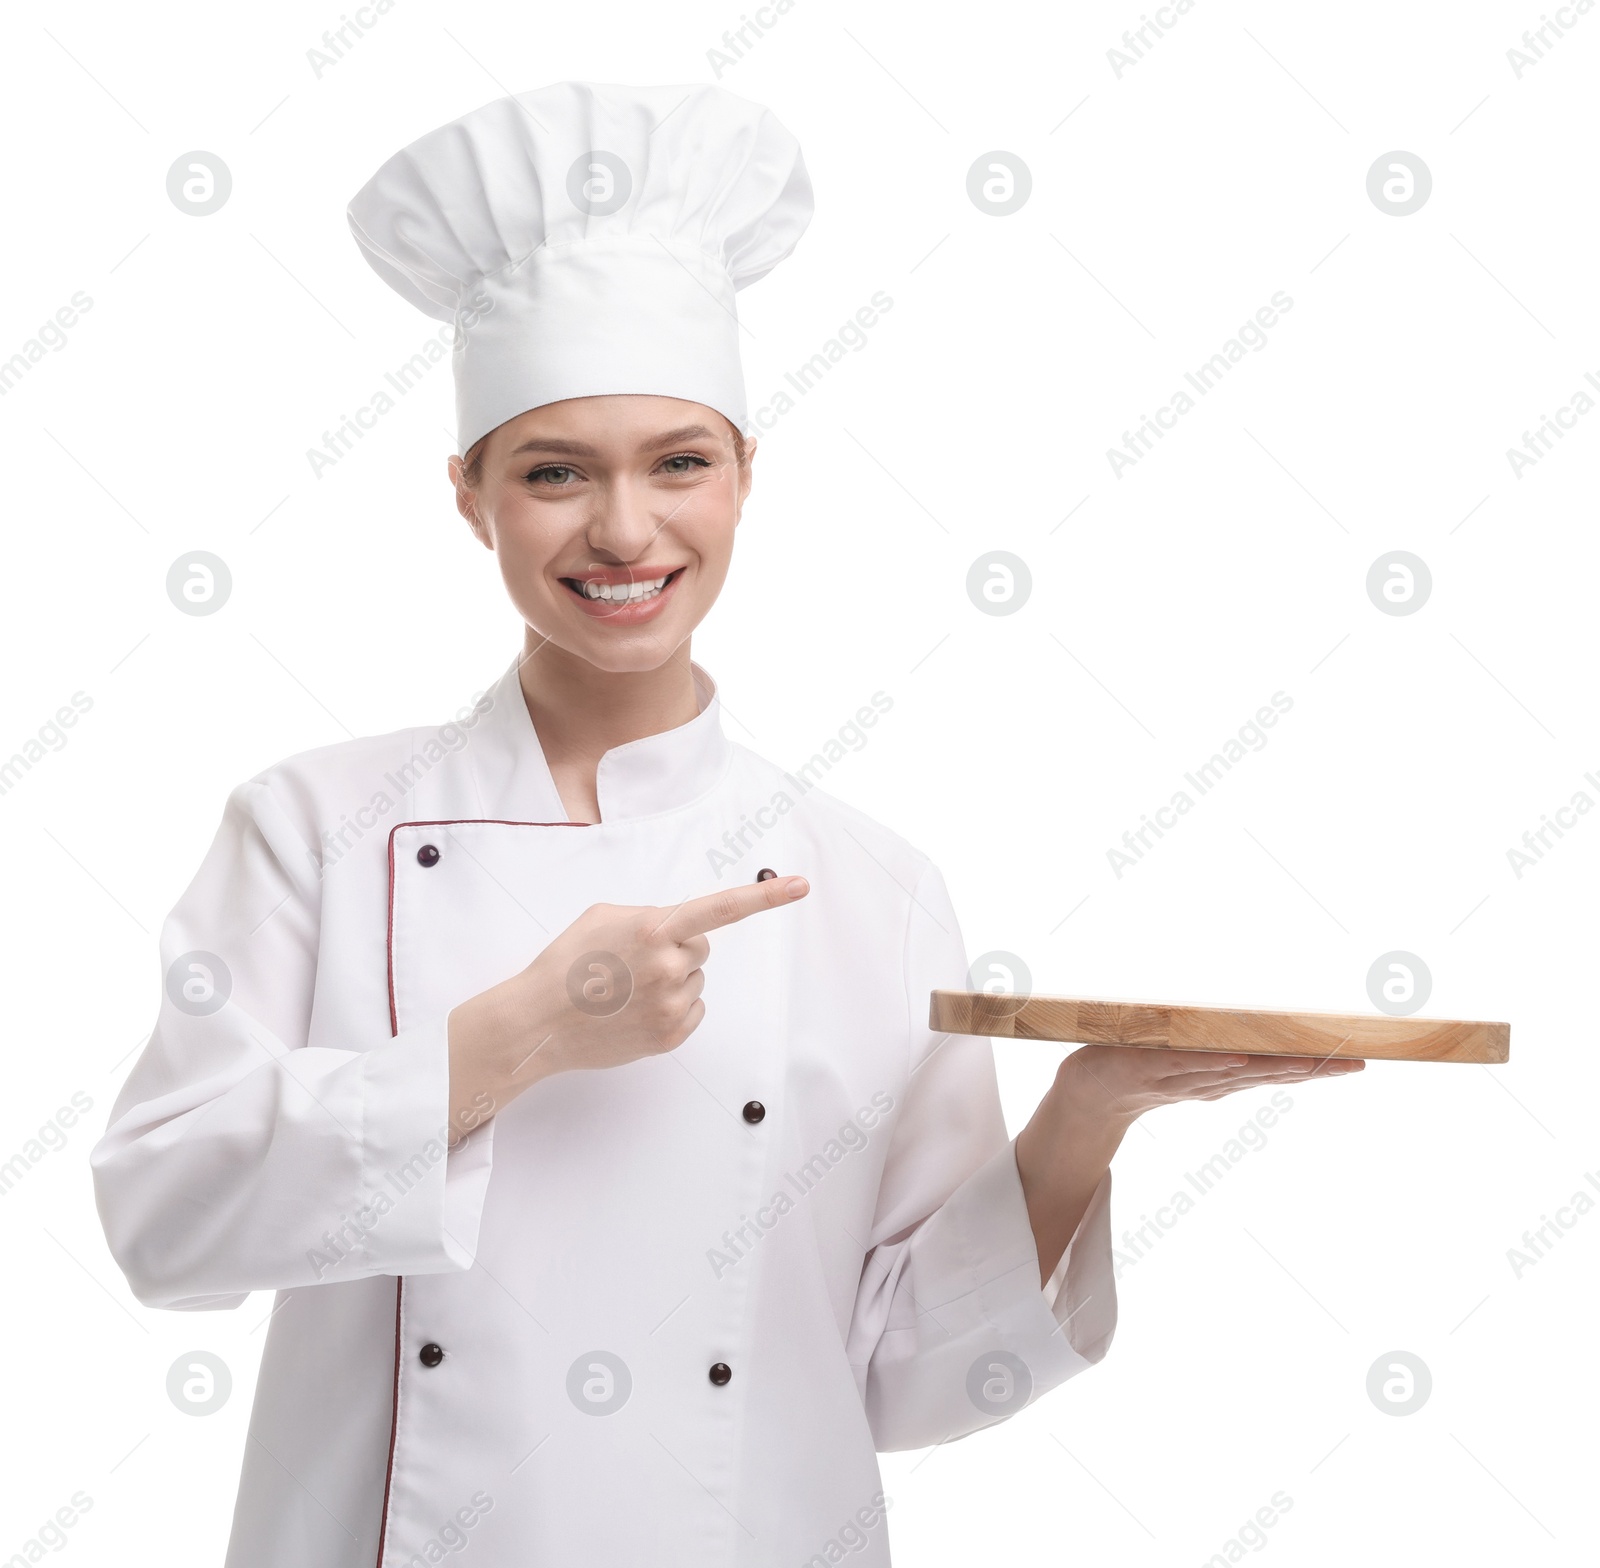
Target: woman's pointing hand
{"points": [[620, 983]]}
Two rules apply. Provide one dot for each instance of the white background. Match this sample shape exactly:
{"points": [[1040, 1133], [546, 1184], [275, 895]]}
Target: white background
{"points": [[1168, 204]]}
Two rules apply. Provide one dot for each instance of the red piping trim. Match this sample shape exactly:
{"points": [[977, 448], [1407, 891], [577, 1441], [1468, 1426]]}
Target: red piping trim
{"points": [[394, 1029], [394, 1423]]}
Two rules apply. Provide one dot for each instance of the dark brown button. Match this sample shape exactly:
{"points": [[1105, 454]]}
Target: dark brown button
{"points": [[427, 856], [431, 1355], [754, 1111], [720, 1373], [765, 874]]}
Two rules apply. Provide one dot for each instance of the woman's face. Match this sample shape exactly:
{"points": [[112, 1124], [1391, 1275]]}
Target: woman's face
{"points": [[612, 519]]}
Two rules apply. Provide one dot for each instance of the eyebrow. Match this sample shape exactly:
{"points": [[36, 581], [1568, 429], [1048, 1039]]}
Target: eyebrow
{"points": [[583, 449]]}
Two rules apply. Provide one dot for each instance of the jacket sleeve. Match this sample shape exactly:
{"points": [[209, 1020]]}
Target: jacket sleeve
{"points": [[951, 1330], [240, 1158]]}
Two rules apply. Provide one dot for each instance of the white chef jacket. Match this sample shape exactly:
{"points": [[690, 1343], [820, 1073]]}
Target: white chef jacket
{"points": [[631, 1319]]}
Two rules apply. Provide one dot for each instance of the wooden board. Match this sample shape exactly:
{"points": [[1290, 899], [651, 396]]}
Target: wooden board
{"points": [[1245, 1031]]}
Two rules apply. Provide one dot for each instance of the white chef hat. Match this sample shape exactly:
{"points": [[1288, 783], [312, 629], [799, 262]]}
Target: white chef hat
{"points": [[588, 239]]}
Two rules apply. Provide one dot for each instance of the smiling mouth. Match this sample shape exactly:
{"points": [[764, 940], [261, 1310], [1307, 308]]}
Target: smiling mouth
{"points": [[638, 592]]}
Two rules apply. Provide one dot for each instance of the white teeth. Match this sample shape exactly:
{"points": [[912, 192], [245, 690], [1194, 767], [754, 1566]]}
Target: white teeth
{"points": [[618, 592]]}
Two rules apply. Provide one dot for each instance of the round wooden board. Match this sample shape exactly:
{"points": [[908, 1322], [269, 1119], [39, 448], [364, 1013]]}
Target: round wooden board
{"points": [[1169, 1026]]}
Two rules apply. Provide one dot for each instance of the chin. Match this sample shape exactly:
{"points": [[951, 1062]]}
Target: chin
{"points": [[613, 650], [637, 655]]}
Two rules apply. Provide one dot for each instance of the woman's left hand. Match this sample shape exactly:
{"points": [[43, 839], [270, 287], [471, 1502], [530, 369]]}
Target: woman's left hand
{"points": [[1098, 1094]]}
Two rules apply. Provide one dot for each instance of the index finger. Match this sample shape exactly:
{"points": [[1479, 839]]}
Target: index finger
{"points": [[696, 916]]}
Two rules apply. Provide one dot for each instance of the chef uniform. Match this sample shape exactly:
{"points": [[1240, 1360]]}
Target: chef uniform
{"points": [[661, 1314]]}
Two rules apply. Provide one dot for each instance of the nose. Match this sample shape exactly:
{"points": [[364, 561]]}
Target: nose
{"points": [[626, 520]]}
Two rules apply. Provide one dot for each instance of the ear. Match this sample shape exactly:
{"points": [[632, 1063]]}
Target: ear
{"points": [[467, 502], [747, 478]]}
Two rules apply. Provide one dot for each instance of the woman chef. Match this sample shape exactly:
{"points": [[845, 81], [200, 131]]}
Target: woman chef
{"points": [[619, 1201]]}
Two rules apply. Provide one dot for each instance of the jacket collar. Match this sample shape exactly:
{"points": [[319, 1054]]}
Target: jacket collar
{"points": [[654, 774]]}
